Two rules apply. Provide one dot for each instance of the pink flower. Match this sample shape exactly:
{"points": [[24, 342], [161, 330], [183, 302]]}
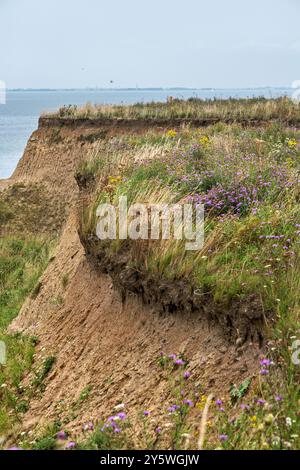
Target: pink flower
{"points": [[71, 445], [179, 362]]}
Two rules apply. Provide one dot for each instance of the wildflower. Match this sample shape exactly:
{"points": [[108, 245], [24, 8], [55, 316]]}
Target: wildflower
{"points": [[186, 375], [223, 437], [171, 133], [245, 407], [61, 435], [222, 410], [71, 445], [14, 448], [278, 398], [158, 430], [261, 402], [264, 372], [173, 408], [179, 362], [122, 416], [219, 402], [146, 413], [204, 140], [265, 362], [188, 402], [111, 419], [172, 356], [292, 143], [288, 422]]}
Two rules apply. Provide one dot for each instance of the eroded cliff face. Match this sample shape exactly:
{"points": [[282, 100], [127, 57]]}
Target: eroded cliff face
{"points": [[101, 343], [42, 190]]}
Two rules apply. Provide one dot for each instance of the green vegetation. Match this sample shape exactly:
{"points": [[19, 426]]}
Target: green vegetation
{"points": [[260, 109], [22, 261], [248, 180]]}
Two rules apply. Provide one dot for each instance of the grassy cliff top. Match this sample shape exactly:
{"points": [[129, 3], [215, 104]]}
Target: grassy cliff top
{"points": [[260, 109]]}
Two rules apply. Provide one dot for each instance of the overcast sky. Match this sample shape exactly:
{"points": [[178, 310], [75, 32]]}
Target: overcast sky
{"points": [[149, 43]]}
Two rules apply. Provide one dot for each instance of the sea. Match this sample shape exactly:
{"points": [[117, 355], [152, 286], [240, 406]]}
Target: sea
{"points": [[19, 115]]}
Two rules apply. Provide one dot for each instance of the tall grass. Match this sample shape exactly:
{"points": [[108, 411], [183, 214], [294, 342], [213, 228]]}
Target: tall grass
{"points": [[261, 109]]}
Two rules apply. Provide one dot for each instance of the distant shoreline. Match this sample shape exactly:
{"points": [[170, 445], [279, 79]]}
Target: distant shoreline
{"points": [[146, 89]]}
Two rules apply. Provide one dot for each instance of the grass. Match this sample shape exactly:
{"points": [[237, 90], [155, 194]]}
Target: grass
{"points": [[259, 109], [22, 260]]}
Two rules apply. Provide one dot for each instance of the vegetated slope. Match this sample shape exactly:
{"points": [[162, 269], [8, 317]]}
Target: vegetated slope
{"points": [[96, 348], [111, 348], [99, 342]]}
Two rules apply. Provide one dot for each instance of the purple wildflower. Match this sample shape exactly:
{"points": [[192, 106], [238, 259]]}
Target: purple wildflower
{"points": [[122, 416], [186, 374], [278, 398], [245, 407], [179, 362], [71, 445], [261, 402], [14, 448], [61, 435], [219, 402], [188, 402], [223, 437], [264, 372], [172, 356], [146, 413], [265, 362], [173, 408]]}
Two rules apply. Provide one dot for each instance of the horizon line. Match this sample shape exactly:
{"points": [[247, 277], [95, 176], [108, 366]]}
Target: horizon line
{"points": [[151, 88]]}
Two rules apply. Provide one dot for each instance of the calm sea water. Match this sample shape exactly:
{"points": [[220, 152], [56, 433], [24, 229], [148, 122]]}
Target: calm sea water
{"points": [[19, 116]]}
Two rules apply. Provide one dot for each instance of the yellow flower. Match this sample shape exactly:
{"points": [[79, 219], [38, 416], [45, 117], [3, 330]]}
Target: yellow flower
{"points": [[202, 402], [114, 180], [292, 143], [204, 140], [253, 419], [171, 133]]}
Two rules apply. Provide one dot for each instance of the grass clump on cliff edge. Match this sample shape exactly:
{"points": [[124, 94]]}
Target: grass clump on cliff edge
{"points": [[22, 261], [255, 109]]}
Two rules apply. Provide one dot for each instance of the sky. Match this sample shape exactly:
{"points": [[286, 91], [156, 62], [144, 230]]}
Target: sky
{"points": [[149, 43]]}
